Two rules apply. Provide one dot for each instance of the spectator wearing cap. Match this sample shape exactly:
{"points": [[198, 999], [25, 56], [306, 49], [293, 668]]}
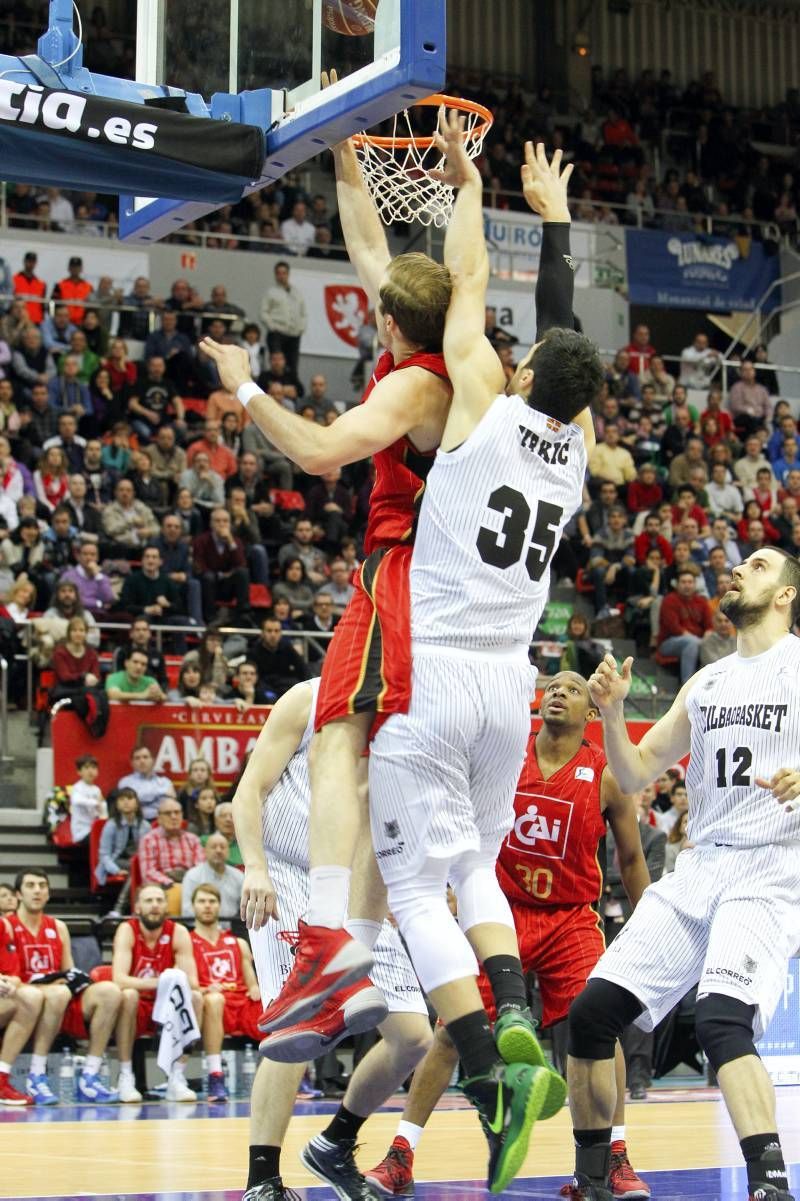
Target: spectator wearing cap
{"points": [[72, 289], [33, 290]]}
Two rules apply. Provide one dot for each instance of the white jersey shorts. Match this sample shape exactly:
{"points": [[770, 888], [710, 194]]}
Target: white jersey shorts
{"points": [[442, 777], [727, 919], [392, 972]]}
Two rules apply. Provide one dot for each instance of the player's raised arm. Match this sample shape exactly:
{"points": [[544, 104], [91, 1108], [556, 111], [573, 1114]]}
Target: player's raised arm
{"points": [[280, 737], [364, 233], [545, 187], [472, 364], [635, 766]]}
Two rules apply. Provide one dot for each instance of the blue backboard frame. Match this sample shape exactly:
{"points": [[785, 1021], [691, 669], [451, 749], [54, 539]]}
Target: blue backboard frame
{"points": [[387, 86]]}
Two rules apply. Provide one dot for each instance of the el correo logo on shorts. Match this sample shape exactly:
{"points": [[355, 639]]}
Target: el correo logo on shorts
{"points": [[398, 850], [64, 111]]}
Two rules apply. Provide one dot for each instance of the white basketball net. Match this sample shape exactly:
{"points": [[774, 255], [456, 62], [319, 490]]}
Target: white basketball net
{"points": [[397, 176]]}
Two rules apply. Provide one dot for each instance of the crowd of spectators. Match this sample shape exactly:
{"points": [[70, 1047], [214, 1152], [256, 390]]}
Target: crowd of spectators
{"points": [[706, 167]]}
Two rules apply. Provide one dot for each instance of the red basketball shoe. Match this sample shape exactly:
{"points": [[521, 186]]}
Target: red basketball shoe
{"points": [[352, 1010], [9, 1095], [621, 1177], [394, 1175], [325, 960]]}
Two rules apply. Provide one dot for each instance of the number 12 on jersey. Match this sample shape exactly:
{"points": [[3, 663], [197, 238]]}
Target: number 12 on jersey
{"points": [[518, 536]]}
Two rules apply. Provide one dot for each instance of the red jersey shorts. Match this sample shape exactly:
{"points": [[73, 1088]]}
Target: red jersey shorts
{"points": [[241, 1015], [561, 944], [368, 664], [73, 1022]]}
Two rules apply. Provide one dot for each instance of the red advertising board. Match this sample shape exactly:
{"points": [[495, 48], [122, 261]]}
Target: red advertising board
{"points": [[176, 734]]}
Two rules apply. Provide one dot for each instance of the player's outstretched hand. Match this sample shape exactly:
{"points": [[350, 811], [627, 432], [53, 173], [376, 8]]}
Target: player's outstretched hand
{"points": [[608, 686], [784, 786], [233, 363], [458, 168], [545, 184], [259, 900]]}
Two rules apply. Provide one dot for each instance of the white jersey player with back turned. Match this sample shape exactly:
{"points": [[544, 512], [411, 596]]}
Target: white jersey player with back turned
{"points": [[507, 478], [271, 812], [728, 918]]}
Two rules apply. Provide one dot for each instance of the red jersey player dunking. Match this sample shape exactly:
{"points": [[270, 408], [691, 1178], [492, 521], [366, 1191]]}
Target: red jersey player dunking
{"points": [[368, 665], [550, 870]]}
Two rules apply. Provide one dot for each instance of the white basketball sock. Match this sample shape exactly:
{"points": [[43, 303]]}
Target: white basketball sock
{"points": [[327, 896], [38, 1065], [363, 930], [5, 1068], [618, 1134], [91, 1065], [214, 1063], [126, 1068], [411, 1133]]}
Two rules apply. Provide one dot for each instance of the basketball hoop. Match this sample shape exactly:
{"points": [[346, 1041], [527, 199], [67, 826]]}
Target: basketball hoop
{"points": [[396, 167]]}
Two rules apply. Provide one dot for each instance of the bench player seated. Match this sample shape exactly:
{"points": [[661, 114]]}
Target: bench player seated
{"points": [[271, 809], [71, 1002], [20, 1007], [549, 870], [227, 979], [145, 947]]}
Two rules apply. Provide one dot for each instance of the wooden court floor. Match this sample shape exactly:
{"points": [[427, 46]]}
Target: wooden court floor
{"points": [[182, 1149]]}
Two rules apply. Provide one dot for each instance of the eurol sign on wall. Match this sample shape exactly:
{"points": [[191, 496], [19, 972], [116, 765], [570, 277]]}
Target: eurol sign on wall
{"points": [[692, 271], [515, 244]]}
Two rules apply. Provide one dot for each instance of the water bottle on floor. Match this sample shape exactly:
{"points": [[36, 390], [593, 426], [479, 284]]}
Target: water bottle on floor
{"points": [[66, 1078], [248, 1070]]}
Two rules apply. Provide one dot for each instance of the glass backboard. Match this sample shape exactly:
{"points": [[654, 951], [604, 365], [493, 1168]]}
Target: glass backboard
{"points": [[261, 60]]}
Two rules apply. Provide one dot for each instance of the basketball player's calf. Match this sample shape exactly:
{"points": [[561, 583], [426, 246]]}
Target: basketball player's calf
{"points": [[330, 1155], [20, 1009]]}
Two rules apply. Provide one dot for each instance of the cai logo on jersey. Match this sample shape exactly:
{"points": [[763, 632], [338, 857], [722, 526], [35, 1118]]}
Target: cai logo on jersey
{"points": [[221, 966], [40, 959], [541, 826]]}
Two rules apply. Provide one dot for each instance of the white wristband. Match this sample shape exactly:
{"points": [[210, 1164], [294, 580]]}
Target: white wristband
{"points": [[246, 392]]}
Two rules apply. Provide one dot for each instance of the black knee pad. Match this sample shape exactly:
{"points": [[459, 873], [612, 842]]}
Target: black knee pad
{"points": [[597, 1018], [724, 1028]]}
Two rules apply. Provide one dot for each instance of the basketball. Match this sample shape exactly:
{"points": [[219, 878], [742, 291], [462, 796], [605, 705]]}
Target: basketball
{"points": [[353, 18]]}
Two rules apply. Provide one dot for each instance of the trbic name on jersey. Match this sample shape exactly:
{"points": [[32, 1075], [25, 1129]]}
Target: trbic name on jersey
{"points": [[760, 717], [550, 452]]}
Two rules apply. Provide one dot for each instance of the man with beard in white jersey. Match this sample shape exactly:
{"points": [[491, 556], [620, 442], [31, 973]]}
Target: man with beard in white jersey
{"points": [[271, 811], [728, 918], [505, 482]]}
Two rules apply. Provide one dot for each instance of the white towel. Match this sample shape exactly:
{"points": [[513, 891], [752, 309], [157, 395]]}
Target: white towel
{"points": [[174, 1013]]}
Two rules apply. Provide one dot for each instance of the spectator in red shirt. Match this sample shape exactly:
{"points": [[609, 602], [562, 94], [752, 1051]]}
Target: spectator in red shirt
{"points": [[640, 350], [75, 664], [651, 539], [684, 619], [645, 492], [618, 131], [27, 283], [168, 851], [686, 506], [73, 287], [222, 460], [221, 563]]}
